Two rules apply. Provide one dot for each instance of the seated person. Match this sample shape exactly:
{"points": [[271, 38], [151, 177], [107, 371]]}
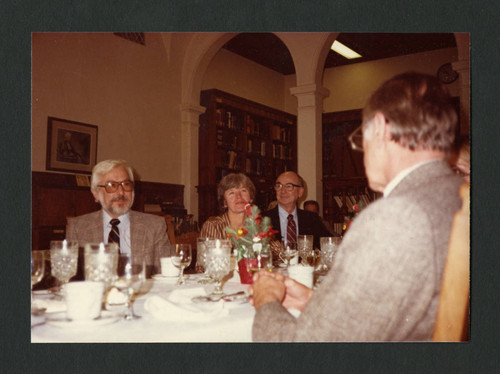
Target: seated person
{"points": [[113, 187], [287, 218], [386, 279], [313, 206], [460, 159], [234, 192]]}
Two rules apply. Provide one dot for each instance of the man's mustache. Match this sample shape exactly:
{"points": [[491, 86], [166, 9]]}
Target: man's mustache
{"points": [[120, 198]]}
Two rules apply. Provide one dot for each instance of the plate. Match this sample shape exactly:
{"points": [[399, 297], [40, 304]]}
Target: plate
{"points": [[60, 320], [47, 291]]}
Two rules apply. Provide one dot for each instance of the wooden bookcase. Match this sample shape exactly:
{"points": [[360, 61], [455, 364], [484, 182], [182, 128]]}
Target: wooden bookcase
{"points": [[241, 136], [344, 180]]}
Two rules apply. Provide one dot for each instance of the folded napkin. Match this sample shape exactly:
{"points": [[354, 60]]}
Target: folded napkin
{"points": [[179, 307], [52, 305]]}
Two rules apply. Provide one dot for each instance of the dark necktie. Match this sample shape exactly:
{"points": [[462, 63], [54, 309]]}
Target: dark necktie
{"points": [[114, 234], [291, 230]]}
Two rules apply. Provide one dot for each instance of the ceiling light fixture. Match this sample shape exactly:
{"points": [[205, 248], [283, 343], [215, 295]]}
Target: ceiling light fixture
{"points": [[344, 51]]}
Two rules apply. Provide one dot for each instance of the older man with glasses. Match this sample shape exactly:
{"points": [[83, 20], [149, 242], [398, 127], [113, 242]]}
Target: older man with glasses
{"points": [[113, 187], [386, 279], [287, 218]]}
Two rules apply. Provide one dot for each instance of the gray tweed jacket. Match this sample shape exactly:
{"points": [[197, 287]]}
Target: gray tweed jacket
{"points": [[386, 279], [147, 231]]}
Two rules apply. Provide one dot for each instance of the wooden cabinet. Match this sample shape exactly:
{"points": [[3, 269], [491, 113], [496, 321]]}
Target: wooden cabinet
{"points": [[58, 196], [344, 180], [240, 136]]}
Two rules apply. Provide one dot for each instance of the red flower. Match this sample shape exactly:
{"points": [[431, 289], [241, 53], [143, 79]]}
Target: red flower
{"points": [[248, 209]]}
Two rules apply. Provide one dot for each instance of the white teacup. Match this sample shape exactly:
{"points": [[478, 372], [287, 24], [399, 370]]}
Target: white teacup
{"points": [[168, 269], [302, 274], [83, 299]]}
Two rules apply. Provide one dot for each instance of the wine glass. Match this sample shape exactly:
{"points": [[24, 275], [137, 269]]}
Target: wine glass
{"points": [[37, 272], [182, 259], [329, 247], [305, 248], [261, 259], [131, 274], [63, 260], [287, 252], [218, 263], [101, 261]]}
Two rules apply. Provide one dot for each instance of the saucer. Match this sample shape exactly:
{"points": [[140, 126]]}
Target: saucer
{"points": [[167, 278], [60, 320]]}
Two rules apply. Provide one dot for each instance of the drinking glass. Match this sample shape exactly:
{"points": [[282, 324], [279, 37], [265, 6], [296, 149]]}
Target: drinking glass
{"points": [[305, 248], [201, 258], [287, 252], [131, 274], [182, 259], [261, 260], [218, 263], [37, 272], [63, 260], [329, 246], [101, 262]]}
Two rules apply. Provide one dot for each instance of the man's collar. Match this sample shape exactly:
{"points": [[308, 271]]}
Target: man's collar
{"points": [[124, 218], [402, 174], [284, 213]]}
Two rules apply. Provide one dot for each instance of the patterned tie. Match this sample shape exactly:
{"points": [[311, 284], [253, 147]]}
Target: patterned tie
{"points": [[291, 230], [114, 234]]}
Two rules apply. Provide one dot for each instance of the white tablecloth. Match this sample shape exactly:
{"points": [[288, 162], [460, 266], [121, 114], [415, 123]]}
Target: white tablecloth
{"points": [[236, 326]]}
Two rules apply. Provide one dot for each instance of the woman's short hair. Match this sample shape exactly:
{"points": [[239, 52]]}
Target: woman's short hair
{"points": [[105, 167], [233, 181], [419, 109]]}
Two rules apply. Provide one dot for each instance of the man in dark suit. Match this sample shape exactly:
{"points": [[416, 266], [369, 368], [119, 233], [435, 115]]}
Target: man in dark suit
{"points": [[289, 188], [113, 187]]}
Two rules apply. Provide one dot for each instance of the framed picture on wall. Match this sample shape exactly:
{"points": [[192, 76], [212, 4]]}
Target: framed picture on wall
{"points": [[71, 146]]}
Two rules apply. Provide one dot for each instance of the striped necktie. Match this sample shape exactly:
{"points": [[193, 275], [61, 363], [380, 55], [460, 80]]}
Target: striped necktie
{"points": [[291, 230], [114, 234]]}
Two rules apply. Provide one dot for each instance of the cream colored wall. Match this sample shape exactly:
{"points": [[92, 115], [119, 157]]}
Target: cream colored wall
{"points": [[351, 85], [131, 92], [232, 73]]}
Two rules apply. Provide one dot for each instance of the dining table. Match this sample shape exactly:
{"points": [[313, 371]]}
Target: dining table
{"points": [[167, 314]]}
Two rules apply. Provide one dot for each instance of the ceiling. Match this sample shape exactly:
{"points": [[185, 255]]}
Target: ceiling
{"points": [[268, 50]]}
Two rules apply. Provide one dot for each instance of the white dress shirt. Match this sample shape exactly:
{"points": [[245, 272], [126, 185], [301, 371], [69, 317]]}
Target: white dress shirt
{"points": [[123, 227]]}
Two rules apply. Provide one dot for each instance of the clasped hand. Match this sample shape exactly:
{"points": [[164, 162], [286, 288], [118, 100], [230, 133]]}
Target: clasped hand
{"points": [[269, 287]]}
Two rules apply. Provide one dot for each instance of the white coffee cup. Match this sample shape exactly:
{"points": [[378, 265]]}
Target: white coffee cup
{"points": [[302, 274], [168, 269], [83, 299]]}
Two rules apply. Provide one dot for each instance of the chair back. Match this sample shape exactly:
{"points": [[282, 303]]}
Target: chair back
{"points": [[452, 322]]}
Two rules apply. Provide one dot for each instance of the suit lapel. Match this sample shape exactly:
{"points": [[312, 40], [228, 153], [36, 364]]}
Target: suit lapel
{"points": [[94, 228], [137, 231]]}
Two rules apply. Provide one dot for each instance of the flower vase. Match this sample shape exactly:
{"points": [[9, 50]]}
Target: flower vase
{"points": [[243, 265]]}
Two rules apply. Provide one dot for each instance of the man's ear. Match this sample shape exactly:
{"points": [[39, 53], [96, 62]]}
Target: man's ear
{"points": [[96, 196], [381, 128], [301, 192]]}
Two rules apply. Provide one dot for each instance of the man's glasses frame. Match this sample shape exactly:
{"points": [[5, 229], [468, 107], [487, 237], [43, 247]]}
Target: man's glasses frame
{"points": [[288, 187], [111, 187], [356, 139]]}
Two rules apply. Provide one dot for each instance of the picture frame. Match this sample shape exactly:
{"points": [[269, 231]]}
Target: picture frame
{"points": [[71, 146]]}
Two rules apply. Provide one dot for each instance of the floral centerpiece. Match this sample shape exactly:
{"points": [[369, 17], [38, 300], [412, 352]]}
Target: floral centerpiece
{"points": [[252, 239]]}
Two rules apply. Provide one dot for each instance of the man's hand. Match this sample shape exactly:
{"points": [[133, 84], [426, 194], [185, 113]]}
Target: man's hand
{"points": [[267, 287]]}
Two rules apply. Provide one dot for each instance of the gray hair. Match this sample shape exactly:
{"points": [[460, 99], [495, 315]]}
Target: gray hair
{"points": [[419, 109], [106, 166]]}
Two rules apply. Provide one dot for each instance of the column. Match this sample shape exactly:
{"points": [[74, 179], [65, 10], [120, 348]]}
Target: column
{"points": [[189, 156], [309, 138]]}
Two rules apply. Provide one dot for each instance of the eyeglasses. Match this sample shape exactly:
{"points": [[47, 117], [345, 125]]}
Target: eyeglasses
{"points": [[356, 139], [111, 187], [288, 187]]}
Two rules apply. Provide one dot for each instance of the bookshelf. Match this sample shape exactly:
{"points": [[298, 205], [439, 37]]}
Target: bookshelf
{"points": [[237, 135], [344, 180]]}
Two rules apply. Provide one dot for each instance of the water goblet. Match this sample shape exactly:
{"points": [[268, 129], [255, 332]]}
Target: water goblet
{"points": [[101, 262], [218, 263], [182, 259], [329, 247], [131, 274], [305, 248], [63, 260], [287, 252], [37, 272], [201, 259]]}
